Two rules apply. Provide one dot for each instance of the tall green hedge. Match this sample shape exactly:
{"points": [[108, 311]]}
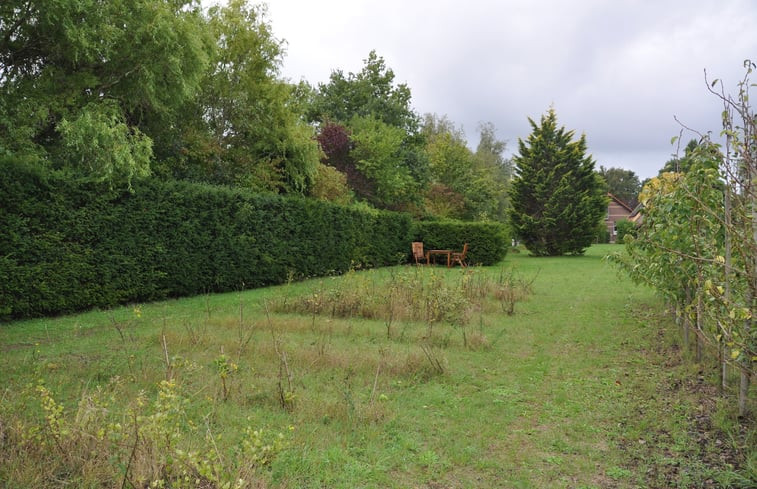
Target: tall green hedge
{"points": [[67, 246], [488, 242]]}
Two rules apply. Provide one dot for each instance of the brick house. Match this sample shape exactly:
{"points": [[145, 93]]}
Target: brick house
{"points": [[617, 210]]}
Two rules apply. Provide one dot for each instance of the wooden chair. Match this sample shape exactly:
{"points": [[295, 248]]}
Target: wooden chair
{"points": [[459, 257], [418, 252]]}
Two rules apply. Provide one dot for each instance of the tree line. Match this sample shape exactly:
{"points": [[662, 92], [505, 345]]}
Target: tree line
{"points": [[119, 90]]}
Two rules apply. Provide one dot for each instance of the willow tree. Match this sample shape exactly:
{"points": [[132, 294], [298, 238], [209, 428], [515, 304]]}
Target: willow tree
{"points": [[556, 197], [79, 77]]}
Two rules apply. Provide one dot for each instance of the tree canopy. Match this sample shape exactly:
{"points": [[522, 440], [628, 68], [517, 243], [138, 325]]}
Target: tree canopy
{"points": [[241, 129], [84, 70], [623, 184], [556, 197], [372, 92], [683, 163], [383, 156], [120, 90], [465, 184]]}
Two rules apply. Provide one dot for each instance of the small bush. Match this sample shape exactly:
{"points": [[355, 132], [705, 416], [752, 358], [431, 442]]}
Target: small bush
{"points": [[109, 441], [624, 227]]}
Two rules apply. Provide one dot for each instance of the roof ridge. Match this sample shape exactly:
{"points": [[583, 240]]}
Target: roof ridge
{"points": [[616, 199]]}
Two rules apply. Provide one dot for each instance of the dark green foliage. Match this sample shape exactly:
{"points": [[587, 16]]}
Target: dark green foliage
{"points": [[370, 93], [623, 184], [68, 246], [557, 198], [488, 241]]}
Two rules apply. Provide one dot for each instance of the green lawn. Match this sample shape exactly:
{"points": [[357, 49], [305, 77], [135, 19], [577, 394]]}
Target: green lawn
{"points": [[583, 386]]}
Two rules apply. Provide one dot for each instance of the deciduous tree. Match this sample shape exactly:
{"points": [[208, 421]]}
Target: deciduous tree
{"points": [[623, 184], [698, 241], [87, 69], [386, 164], [372, 92], [241, 129]]}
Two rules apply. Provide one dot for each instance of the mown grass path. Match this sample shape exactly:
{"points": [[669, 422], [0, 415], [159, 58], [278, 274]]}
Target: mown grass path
{"points": [[578, 389]]}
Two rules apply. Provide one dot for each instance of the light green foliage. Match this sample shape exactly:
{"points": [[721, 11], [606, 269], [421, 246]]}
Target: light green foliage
{"points": [[465, 185], [331, 185], [493, 174], [225, 368], [203, 90], [450, 160], [240, 127], [698, 242], [674, 220], [378, 154], [684, 163], [624, 228], [557, 199], [450, 167], [103, 146], [104, 67]]}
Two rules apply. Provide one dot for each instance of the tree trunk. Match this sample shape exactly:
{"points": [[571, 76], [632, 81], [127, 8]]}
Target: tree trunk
{"points": [[744, 389], [686, 324], [726, 276], [699, 330]]}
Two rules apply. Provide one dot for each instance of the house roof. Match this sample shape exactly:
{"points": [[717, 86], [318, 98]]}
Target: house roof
{"points": [[620, 202], [636, 215]]}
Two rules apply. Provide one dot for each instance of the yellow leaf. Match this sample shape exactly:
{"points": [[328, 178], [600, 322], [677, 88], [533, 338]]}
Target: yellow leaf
{"points": [[735, 354]]}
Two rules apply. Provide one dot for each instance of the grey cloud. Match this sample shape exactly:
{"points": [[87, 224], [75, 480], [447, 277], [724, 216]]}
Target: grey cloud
{"points": [[617, 71]]}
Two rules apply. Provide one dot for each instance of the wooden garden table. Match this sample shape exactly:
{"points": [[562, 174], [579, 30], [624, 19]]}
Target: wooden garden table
{"points": [[434, 253]]}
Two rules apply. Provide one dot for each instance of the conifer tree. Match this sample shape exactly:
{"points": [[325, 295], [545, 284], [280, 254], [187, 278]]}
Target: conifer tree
{"points": [[556, 196]]}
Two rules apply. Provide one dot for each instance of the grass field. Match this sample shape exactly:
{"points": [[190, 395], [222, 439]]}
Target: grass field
{"points": [[582, 386]]}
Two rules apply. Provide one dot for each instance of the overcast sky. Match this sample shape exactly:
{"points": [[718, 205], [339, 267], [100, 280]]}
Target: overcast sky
{"points": [[615, 70]]}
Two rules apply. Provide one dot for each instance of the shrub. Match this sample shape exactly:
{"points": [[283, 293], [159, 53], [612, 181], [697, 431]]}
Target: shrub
{"points": [[624, 227], [602, 235]]}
